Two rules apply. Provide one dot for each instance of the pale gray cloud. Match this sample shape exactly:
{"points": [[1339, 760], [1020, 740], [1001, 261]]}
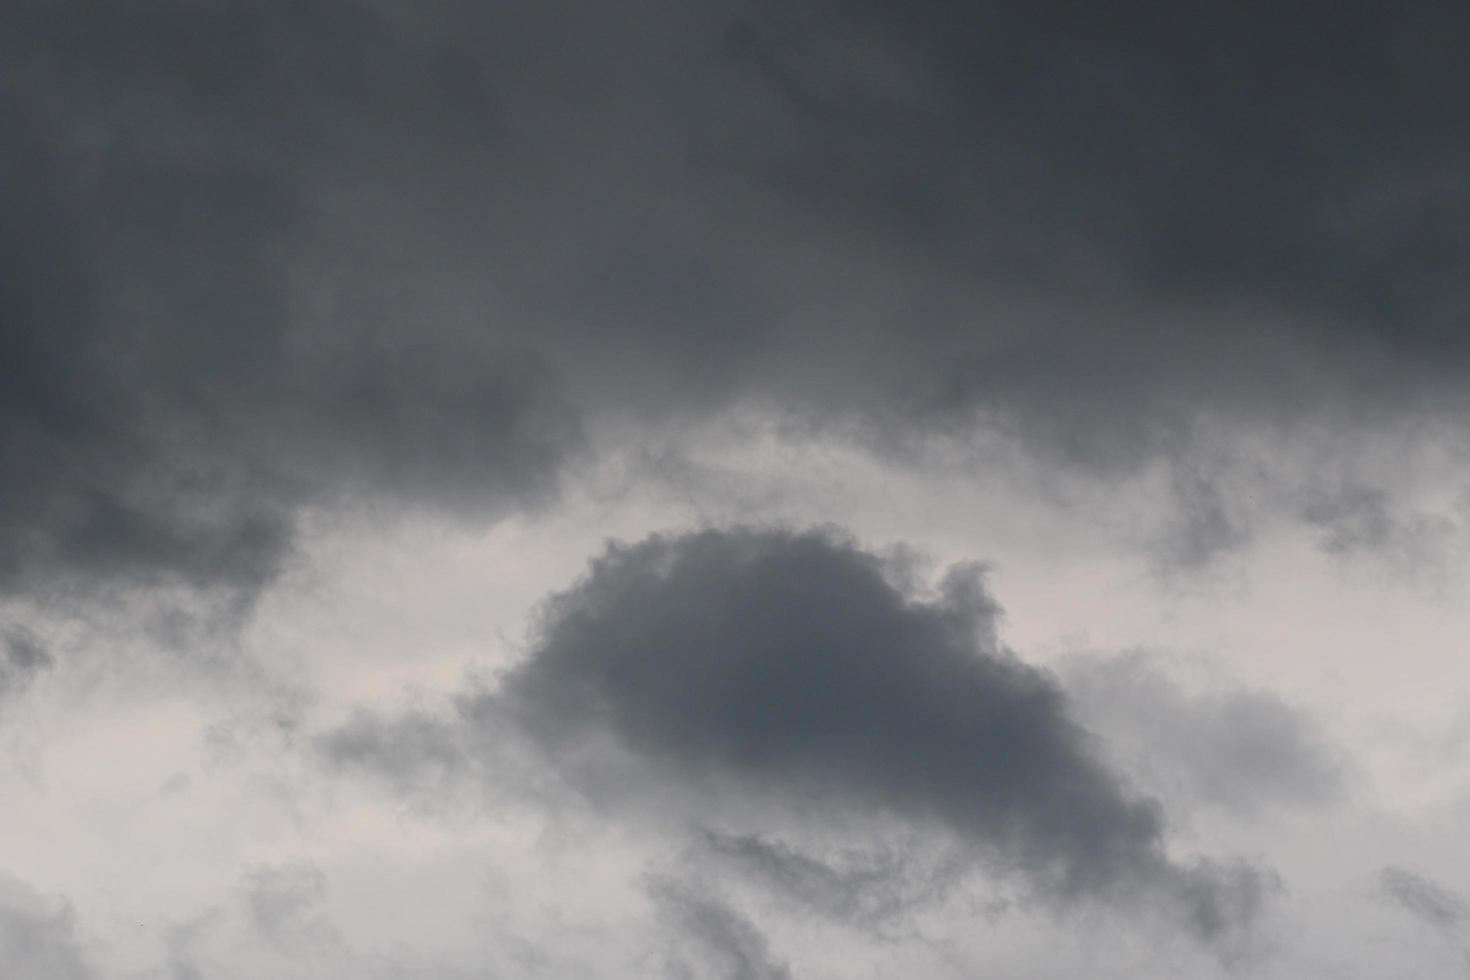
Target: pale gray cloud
{"points": [[1423, 898], [710, 939], [1240, 750], [38, 936]]}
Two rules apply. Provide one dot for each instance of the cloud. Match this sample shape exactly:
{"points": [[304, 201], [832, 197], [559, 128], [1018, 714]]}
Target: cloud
{"points": [[275, 922], [1359, 520], [245, 279], [1422, 898], [873, 890], [1243, 751], [1124, 149], [190, 353], [750, 675], [283, 900], [725, 944], [38, 936], [265, 263], [1156, 242], [23, 657]]}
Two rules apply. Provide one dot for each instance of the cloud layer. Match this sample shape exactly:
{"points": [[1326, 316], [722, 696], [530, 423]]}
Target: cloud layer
{"points": [[262, 257], [1065, 282], [189, 352]]}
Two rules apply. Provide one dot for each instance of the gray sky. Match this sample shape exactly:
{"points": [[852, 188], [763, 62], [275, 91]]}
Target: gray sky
{"points": [[733, 489]]}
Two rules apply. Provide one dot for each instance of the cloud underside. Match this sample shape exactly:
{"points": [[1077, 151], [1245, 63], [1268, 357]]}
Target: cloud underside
{"points": [[263, 258], [759, 682]]}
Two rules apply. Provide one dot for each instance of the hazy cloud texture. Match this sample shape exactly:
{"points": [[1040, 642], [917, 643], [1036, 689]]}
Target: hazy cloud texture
{"points": [[1240, 750]]}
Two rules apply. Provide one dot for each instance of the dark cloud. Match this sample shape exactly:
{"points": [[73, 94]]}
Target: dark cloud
{"points": [[275, 922], [260, 257], [1109, 227], [1252, 156], [22, 657], [792, 661], [1427, 901], [190, 351], [725, 675], [1244, 751]]}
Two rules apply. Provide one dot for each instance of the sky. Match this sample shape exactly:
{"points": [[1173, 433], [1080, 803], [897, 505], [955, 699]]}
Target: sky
{"points": [[734, 490]]}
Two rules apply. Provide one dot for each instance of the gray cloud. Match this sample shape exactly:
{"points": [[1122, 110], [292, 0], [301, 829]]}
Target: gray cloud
{"points": [[791, 660], [260, 258], [283, 904], [38, 936], [190, 352], [1422, 898], [264, 260], [1198, 237], [1358, 520], [1241, 750], [874, 890], [22, 657], [1203, 526], [746, 672], [724, 944], [418, 752], [1123, 148], [275, 922]]}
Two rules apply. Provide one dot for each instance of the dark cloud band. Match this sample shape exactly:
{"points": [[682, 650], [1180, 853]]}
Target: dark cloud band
{"points": [[261, 256]]}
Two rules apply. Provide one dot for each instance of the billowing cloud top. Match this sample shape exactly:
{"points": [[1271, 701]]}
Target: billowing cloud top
{"points": [[791, 660]]}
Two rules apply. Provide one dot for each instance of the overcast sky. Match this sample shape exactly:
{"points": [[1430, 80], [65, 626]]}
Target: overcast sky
{"points": [[734, 489]]}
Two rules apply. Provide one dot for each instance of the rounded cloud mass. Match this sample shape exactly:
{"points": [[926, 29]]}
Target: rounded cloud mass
{"points": [[337, 335]]}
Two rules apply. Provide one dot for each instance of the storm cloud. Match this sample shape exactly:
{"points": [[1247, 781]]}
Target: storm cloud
{"points": [[187, 356], [265, 257], [791, 661], [353, 327], [731, 674]]}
